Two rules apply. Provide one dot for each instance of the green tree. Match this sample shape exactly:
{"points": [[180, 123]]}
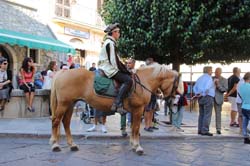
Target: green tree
{"points": [[182, 31]]}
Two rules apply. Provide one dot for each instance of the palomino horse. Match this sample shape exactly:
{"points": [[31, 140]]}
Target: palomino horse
{"points": [[72, 85]]}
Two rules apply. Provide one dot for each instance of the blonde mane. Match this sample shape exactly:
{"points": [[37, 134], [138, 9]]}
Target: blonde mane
{"points": [[157, 69]]}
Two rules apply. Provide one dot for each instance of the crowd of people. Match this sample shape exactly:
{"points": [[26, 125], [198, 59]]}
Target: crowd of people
{"points": [[28, 79], [209, 90], [211, 93]]}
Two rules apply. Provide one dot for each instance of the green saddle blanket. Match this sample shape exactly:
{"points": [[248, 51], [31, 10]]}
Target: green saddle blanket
{"points": [[104, 86]]}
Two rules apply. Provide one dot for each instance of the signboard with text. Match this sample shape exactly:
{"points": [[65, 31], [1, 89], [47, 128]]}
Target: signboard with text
{"points": [[75, 32]]}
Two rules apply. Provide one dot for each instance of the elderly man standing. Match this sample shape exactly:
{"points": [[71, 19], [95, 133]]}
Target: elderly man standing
{"points": [[205, 91], [220, 88]]}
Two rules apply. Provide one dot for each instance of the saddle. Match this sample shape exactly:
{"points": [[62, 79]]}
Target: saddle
{"points": [[105, 86]]}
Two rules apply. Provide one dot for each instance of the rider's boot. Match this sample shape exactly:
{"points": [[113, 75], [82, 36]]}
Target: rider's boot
{"points": [[118, 104]]}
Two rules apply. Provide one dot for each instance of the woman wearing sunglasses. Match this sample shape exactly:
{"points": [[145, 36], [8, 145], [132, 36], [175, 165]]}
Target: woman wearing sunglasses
{"points": [[5, 81]]}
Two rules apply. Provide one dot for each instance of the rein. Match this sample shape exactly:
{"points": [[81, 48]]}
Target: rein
{"points": [[138, 81]]}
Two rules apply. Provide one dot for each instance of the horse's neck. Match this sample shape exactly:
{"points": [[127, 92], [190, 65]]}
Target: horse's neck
{"points": [[148, 80]]}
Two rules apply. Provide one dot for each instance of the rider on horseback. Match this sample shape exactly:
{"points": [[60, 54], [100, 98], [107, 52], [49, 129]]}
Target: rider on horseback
{"points": [[110, 63]]}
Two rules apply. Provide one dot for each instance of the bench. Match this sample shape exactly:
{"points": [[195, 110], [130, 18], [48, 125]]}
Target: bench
{"points": [[17, 108]]}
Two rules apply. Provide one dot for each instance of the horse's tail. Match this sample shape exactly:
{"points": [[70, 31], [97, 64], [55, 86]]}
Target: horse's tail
{"points": [[53, 98]]}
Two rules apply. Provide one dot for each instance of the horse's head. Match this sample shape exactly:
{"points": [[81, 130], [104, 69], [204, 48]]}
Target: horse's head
{"points": [[160, 77], [169, 83]]}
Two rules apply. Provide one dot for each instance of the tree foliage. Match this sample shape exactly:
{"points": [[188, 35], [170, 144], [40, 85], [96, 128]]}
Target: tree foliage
{"points": [[182, 31]]}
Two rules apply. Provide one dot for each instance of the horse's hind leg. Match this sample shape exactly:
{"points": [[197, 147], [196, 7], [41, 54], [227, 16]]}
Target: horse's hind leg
{"points": [[66, 123], [134, 139], [56, 121]]}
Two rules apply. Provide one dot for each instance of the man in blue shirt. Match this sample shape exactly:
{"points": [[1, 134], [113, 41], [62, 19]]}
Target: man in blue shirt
{"points": [[244, 93], [204, 89]]}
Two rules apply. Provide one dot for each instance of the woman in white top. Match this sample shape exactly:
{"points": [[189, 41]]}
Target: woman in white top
{"points": [[51, 71]]}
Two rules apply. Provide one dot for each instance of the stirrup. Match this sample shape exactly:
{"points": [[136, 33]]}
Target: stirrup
{"points": [[113, 107], [121, 110]]}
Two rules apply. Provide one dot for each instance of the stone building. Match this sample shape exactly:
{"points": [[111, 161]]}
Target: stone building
{"points": [[23, 33]]}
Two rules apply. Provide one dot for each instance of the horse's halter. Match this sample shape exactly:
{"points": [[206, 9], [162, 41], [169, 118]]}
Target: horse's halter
{"points": [[174, 88]]}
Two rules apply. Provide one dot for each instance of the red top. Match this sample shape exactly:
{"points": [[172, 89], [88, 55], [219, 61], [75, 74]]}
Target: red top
{"points": [[28, 77]]}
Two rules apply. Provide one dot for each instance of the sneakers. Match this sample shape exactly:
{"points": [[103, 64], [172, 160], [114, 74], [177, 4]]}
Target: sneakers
{"points": [[103, 128], [218, 132], [154, 128], [178, 129], [30, 109], [93, 128], [149, 129], [173, 128], [124, 132]]}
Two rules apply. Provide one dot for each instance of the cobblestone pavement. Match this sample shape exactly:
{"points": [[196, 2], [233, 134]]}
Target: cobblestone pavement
{"points": [[116, 152]]}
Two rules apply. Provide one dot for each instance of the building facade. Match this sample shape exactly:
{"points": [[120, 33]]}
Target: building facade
{"points": [[78, 23]]}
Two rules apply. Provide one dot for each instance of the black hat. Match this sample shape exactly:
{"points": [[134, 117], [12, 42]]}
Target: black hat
{"points": [[111, 27]]}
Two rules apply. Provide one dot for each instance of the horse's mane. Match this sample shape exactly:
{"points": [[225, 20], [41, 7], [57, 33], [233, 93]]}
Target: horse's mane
{"points": [[157, 69]]}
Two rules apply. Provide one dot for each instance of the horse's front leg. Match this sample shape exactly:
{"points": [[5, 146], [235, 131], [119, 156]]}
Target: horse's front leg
{"points": [[66, 123], [134, 138]]}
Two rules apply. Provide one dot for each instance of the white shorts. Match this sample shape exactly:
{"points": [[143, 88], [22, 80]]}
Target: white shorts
{"points": [[232, 101]]}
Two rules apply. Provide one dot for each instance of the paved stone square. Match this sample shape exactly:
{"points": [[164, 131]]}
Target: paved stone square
{"points": [[107, 152]]}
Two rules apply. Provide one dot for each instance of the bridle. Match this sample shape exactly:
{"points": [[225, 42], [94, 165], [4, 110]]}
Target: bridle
{"points": [[138, 81]]}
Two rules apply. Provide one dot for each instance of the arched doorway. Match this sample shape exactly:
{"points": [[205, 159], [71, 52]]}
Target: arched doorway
{"points": [[79, 58], [6, 55], [9, 53]]}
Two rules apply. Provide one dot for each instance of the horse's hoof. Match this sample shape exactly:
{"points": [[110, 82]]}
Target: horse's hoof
{"points": [[56, 148], [51, 141], [74, 148], [139, 151]]}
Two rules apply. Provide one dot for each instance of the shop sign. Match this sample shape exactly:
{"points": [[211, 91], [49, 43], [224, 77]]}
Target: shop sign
{"points": [[75, 32]]}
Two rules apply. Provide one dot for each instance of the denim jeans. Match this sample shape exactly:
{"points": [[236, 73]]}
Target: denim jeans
{"points": [[205, 113], [129, 117], [177, 117], [246, 118]]}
